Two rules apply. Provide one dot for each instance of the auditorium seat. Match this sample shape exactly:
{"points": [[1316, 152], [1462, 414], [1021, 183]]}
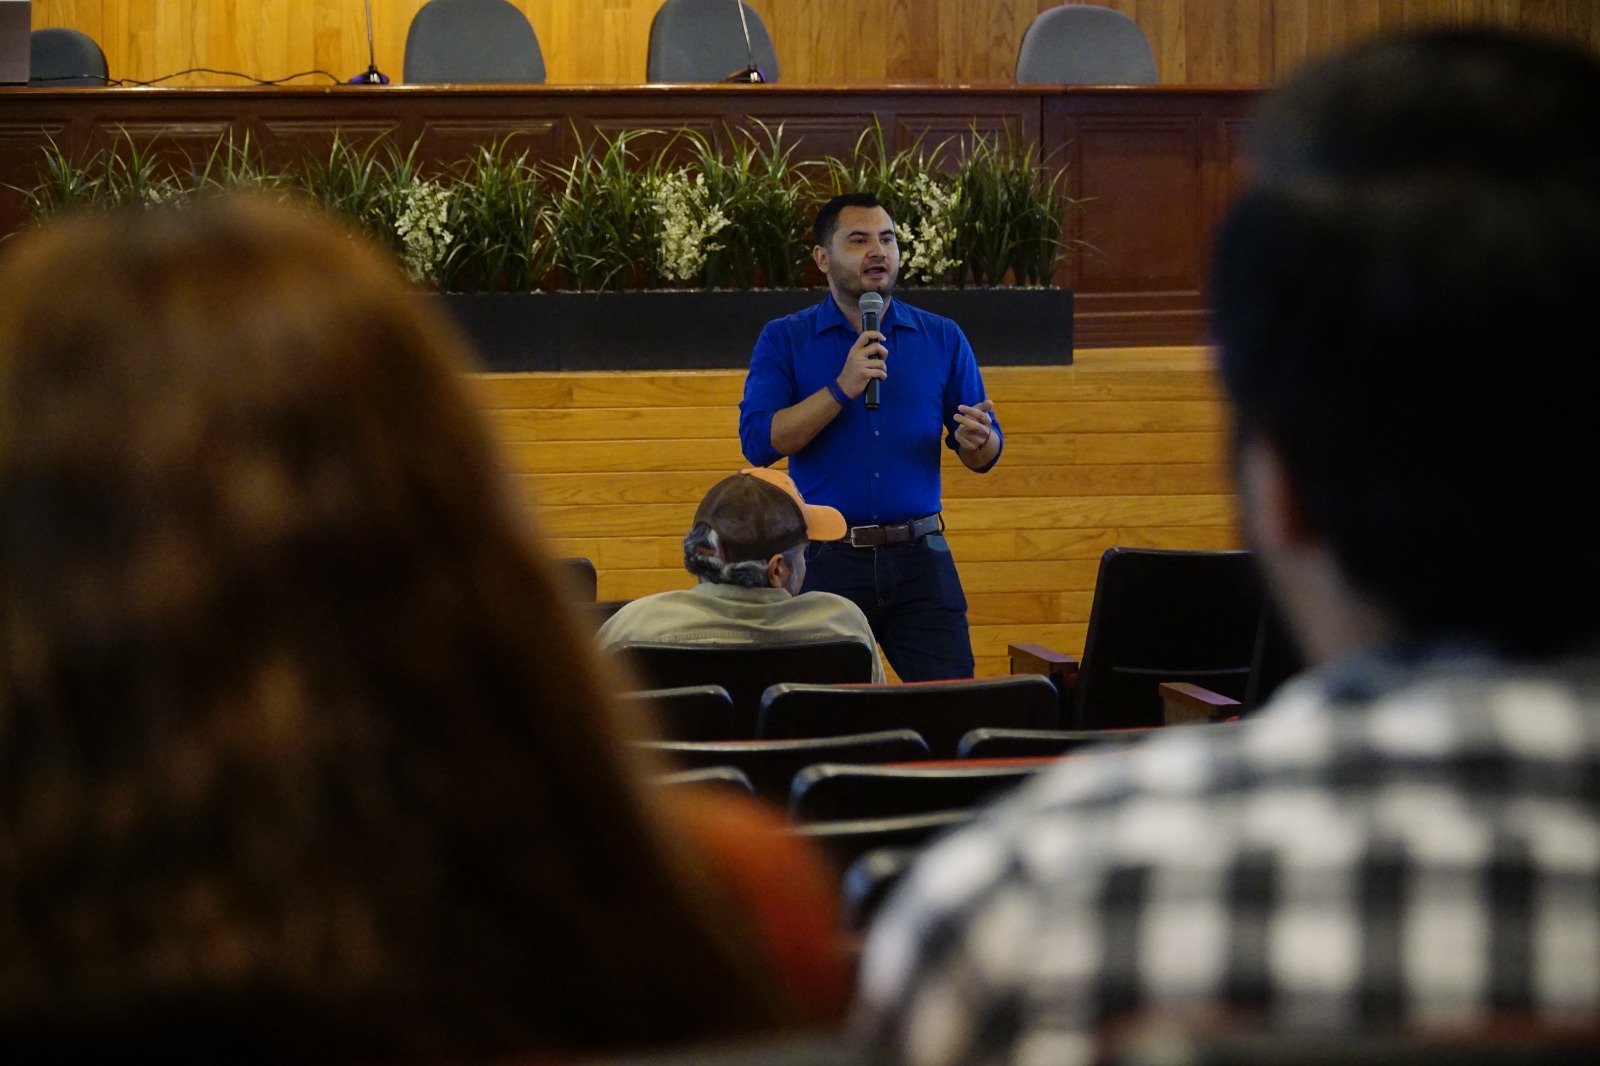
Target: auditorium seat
{"points": [[772, 765], [59, 57], [703, 41], [1081, 44], [582, 582], [845, 842], [1157, 616], [719, 776], [472, 42], [692, 713], [748, 670], [837, 792], [941, 711], [992, 743]]}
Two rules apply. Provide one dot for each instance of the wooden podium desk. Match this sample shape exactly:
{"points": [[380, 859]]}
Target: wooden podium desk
{"points": [[1156, 164]]}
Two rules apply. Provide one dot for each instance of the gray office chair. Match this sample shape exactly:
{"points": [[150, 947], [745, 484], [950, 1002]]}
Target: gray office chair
{"points": [[472, 41], [1079, 44], [62, 57], [702, 40]]}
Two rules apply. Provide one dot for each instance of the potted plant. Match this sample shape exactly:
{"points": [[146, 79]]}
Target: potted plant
{"points": [[620, 259]]}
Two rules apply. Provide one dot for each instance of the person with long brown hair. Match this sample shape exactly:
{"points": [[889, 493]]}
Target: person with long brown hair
{"points": [[302, 754]]}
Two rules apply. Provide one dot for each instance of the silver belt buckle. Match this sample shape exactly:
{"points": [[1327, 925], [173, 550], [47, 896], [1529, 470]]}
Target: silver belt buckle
{"points": [[851, 536]]}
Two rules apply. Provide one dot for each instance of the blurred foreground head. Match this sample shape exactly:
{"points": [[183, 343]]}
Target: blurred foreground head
{"points": [[1406, 309], [301, 754]]}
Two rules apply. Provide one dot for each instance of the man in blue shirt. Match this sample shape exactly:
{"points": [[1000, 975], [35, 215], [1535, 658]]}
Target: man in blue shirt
{"points": [[880, 467]]}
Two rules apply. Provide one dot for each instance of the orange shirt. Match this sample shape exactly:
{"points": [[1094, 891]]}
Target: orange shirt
{"points": [[787, 887]]}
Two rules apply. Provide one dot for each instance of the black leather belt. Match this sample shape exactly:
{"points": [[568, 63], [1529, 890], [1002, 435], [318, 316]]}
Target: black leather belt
{"points": [[899, 533]]}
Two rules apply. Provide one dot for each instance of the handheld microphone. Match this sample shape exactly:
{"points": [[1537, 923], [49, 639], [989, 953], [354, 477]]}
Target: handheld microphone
{"points": [[871, 305], [751, 73], [372, 75]]}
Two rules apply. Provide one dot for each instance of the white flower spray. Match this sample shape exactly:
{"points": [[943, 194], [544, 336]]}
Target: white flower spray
{"points": [[422, 227], [688, 222], [929, 246], [162, 193]]}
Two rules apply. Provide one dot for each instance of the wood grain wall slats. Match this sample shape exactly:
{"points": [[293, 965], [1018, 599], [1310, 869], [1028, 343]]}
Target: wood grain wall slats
{"points": [[825, 42], [1123, 447]]}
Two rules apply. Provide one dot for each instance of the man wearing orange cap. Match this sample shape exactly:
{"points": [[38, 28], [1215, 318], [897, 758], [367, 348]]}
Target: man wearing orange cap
{"points": [[747, 546]]}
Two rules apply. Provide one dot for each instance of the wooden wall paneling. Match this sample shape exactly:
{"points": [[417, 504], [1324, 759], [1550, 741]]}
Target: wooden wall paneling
{"points": [[946, 138], [458, 139], [1140, 175], [1227, 43], [85, 15], [633, 457], [142, 35], [1155, 177], [852, 42], [184, 143], [22, 145], [336, 32], [590, 390], [912, 39], [293, 139], [1089, 512], [629, 423], [817, 136], [1165, 24]]}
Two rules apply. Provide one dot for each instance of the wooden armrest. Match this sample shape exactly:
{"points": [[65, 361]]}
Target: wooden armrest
{"points": [[1060, 670], [1186, 704], [1038, 659]]}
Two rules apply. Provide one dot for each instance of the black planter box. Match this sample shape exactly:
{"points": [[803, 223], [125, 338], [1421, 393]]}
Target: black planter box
{"points": [[698, 330]]}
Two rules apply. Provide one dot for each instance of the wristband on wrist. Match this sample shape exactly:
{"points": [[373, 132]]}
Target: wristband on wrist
{"points": [[837, 393]]}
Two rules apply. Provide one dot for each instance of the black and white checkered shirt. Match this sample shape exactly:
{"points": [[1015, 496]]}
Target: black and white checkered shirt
{"points": [[1398, 840]]}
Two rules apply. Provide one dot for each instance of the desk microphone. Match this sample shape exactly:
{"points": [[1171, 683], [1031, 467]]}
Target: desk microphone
{"points": [[751, 73], [372, 75], [871, 305]]}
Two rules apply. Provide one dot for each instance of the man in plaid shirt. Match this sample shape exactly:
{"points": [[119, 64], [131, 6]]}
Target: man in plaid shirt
{"points": [[1408, 836]]}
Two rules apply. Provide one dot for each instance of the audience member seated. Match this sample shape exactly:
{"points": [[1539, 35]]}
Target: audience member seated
{"points": [[302, 756], [1407, 838], [748, 548]]}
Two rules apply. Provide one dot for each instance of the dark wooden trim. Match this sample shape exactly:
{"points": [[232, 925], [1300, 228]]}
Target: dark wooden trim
{"points": [[1157, 165]]}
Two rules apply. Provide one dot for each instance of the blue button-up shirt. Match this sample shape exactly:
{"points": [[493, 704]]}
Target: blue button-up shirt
{"points": [[877, 467]]}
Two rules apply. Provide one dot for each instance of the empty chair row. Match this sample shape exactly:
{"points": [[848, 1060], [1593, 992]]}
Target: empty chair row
{"points": [[726, 40], [770, 766], [836, 792], [746, 671], [492, 42], [942, 712]]}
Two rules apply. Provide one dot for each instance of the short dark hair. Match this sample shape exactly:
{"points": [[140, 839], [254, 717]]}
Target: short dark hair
{"points": [[827, 221], [1405, 305]]}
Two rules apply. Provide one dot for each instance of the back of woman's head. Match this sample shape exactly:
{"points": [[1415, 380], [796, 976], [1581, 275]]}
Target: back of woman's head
{"points": [[300, 750]]}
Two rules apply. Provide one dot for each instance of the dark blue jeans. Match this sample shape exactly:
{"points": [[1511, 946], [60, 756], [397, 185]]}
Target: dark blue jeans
{"points": [[911, 595]]}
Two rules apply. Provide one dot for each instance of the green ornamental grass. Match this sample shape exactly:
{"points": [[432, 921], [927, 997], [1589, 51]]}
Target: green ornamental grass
{"points": [[730, 212]]}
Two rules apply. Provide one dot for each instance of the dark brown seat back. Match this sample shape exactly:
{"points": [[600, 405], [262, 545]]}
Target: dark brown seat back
{"points": [[772, 764], [836, 792], [1165, 616], [691, 713], [991, 743], [748, 670], [941, 711]]}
